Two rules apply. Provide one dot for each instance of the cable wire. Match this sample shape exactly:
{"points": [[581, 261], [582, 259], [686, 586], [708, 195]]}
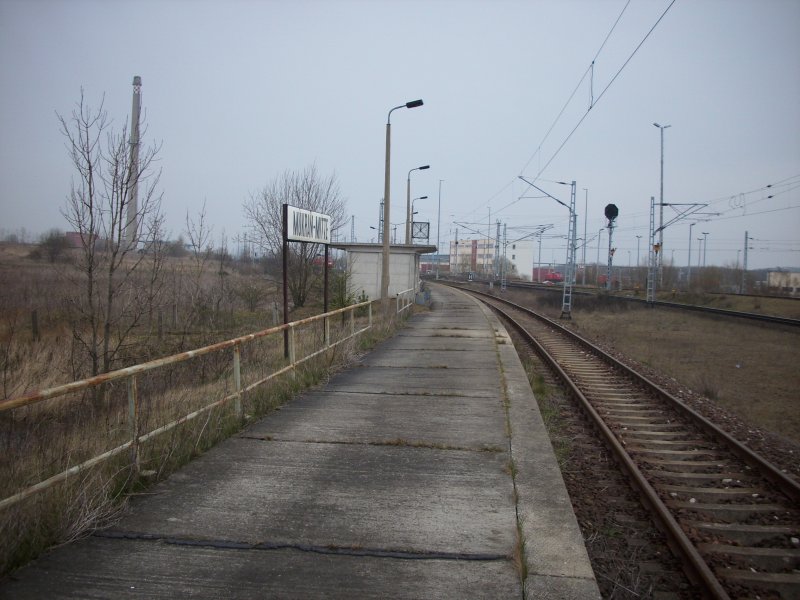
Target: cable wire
{"points": [[605, 89]]}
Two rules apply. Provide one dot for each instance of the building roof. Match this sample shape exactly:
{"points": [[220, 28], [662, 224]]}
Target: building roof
{"points": [[393, 248]]}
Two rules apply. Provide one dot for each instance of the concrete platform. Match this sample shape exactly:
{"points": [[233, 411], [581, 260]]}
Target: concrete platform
{"points": [[391, 481]]}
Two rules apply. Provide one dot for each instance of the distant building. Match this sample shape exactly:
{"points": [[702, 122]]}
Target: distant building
{"points": [[478, 256], [784, 281], [430, 263]]}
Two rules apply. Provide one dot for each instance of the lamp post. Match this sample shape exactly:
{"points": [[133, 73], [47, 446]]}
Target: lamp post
{"points": [[661, 210], [705, 247], [747, 239], [386, 208], [699, 250], [638, 239], [408, 202], [539, 262], [438, 224]]}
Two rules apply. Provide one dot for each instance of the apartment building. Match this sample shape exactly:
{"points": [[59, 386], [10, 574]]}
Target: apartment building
{"points": [[478, 256]]}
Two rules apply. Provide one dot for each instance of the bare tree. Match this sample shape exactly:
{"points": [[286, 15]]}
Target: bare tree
{"points": [[308, 190], [199, 234], [113, 297]]}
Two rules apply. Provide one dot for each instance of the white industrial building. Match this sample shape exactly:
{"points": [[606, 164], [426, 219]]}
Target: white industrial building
{"points": [[478, 256]]}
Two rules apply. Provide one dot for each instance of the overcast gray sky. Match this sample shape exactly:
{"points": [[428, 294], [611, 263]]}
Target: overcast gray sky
{"points": [[239, 91]]}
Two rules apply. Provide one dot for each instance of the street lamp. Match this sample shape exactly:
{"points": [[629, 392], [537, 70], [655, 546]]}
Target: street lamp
{"points": [[661, 209], [408, 202], [638, 239], [386, 208], [699, 251]]}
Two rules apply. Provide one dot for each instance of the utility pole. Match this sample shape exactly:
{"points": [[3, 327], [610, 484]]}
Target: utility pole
{"points": [[689, 260], [597, 268], [455, 263], [131, 229], [705, 247], [539, 263], [496, 261], [503, 275], [661, 211], [486, 245], [652, 255], [566, 303], [438, 226], [585, 217], [744, 270]]}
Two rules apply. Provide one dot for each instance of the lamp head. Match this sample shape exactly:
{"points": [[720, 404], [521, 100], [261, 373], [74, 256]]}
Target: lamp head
{"points": [[414, 104], [422, 168]]}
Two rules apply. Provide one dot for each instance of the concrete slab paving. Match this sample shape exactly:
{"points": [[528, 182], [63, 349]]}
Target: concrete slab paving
{"points": [[420, 381], [391, 481], [339, 495], [207, 572], [455, 422]]}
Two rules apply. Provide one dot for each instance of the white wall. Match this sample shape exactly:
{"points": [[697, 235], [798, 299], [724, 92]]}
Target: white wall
{"points": [[364, 265]]}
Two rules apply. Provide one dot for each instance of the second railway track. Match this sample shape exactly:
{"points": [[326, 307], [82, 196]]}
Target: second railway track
{"points": [[731, 517]]}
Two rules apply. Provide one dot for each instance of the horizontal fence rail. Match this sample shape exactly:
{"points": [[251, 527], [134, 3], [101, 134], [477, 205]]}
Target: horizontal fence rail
{"points": [[405, 299], [130, 376]]}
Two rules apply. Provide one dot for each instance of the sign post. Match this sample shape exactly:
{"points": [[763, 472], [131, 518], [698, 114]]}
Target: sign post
{"points": [[300, 225]]}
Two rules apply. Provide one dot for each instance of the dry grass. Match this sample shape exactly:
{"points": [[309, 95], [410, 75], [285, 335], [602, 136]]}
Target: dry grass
{"points": [[44, 439]]}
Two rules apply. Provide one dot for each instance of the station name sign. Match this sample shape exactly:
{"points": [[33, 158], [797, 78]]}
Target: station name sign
{"points": [[307, 226]]}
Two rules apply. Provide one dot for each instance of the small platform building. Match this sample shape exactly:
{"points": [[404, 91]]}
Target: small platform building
{"points": [[364, 262]]}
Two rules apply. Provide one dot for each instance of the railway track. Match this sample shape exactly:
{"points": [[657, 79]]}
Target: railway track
{"points": [[769, 319], [732, 518]]}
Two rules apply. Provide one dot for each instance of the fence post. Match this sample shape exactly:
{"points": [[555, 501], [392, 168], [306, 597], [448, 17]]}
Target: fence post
{"points": [[352, 321], [369, 311], [133, 422], [237, 380], [327, 332], [292, 351]]}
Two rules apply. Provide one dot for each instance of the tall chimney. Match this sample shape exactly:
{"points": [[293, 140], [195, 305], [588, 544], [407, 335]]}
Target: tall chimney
{"points": [[132, 223]]}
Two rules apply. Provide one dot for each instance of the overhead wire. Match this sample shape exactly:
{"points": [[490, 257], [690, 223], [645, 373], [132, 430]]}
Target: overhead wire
{"points": [[577, 87], [593, 101], [605, 89]]}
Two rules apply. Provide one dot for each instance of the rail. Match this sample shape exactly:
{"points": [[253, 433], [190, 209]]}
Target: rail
{"points": [[772, 319], [405, 300], [131, 374]]}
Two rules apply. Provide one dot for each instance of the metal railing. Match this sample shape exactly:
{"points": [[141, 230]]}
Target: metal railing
{"points": [[131, 374], [405, 300]]}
